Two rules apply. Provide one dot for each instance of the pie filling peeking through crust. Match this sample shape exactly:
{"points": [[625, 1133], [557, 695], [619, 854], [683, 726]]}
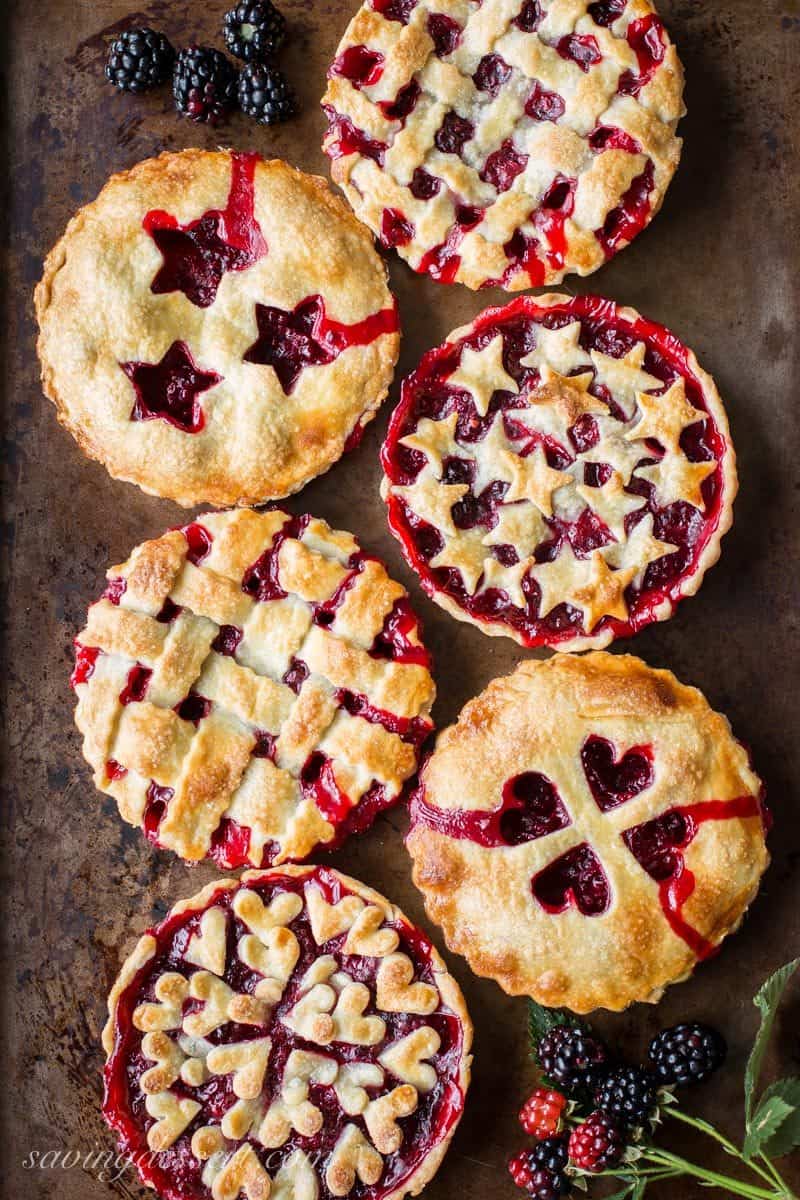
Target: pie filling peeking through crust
{"points": [[217, 327], [588, 831], [287, 1035], [504, 143], [560, 471], [251, 687]]}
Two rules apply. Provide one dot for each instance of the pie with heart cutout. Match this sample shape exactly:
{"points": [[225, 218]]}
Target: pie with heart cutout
{"points": [[216, 328], [252, 687], [288, 1035], [505, 143], [560, 471], [588, 831]]}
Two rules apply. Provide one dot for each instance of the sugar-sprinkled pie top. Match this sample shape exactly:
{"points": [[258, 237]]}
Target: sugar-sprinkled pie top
{"points": [[588, 831], [507, 142], [216, 328], [560, 471], [287, 1035], [251, 687]]}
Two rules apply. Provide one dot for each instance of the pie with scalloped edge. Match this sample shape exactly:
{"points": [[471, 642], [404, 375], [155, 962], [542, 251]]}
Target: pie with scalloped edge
{"points": [[252, 687], [588, 831], [216, 328], [560, 471], [505, 143], [288, 1035]]}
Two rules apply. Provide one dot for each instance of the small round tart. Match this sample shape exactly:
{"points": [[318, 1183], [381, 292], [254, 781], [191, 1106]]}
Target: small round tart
{"points": [[288, 1034], [216, 328], [588, 831], [505, 144], [560, 471], [252, 687]]}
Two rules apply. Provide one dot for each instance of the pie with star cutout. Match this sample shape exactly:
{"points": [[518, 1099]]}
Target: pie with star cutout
{"points": [[588, 831], [287, 1035], [504, 143], [216, 328], [560, 471], [252, 687]]}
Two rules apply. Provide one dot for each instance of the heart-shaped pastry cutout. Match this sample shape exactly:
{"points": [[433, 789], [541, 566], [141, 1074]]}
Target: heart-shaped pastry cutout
{"points": [[577, 877], [613, 781]]}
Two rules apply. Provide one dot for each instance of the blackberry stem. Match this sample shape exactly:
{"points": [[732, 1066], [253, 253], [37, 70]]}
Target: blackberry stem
{"points": [[770, 1175], [735, 1186]]}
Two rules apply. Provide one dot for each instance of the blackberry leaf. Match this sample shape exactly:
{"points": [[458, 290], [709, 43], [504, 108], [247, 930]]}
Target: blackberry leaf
{"points": [[768, 1119], [766, 1001], [787, 1136]]}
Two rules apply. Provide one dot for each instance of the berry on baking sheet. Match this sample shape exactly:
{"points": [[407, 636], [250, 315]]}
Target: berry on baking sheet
{"points": [[265, 95], [597, 1144], [628, 1094], [541, 1114], [687, 1053], [139, 59], [572, 1059], [204, 84], [254, 31]]}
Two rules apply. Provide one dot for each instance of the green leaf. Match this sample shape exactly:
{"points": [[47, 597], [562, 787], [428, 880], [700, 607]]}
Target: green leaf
{"points": [[766, 1001], [787, 1136], [625, 1192], [769, 1116], [541, 1020]]}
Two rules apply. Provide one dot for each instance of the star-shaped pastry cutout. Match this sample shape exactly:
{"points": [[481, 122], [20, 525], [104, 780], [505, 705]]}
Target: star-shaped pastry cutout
{"points": [[170, 389], [481, 372], [435, 439], [519, 525], [558, 348], [675, 478], [492, 455], [290, 340], [612, 449], [557, 401], [664, 418], [611, 503], [467, 554], [507, 579], [639, 550], [533, 479], [624, 377], [588, 584], [432, 500]]}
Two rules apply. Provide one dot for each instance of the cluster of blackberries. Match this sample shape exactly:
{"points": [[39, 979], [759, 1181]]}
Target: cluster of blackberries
{"points": [[206, 85], [621, 1100]]}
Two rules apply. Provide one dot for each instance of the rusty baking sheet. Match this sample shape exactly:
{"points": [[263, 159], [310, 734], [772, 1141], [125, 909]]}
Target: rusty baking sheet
{"points": [[719, 265]]}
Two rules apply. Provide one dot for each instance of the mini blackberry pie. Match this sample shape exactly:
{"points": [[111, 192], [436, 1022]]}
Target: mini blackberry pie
{"points": [[505, 144], [560, 471], [290, 1035], [588, 831], [252, 687], [198, 342]]}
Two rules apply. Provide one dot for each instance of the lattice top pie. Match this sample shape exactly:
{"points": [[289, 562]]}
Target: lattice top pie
{"points": [[288, 1035], [505, 142], [588, 831], [216, 328], [560, 471], [251, 687]]}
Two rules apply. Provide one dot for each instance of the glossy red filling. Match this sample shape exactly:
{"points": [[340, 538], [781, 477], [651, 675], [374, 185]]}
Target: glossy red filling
{"points": [[398, 641], [360, 65], [426, 393], [613, 780], [197, 255], [578, 878], [645, 37], [530, 809], [529, 16], [175, 1172], [453, 133], [503, 167], [395, 10], [582, 49], [543, 105], [170, 389], [658, 847], [290, 341], [492, 72], [396, 230], [445, 33]]}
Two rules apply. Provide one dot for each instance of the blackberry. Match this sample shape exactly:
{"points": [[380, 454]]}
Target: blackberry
{"points": [[537, 1181], [264, 94], [540, 1115], [597, 1144], [687, 1053], [254, 31], [551, 1153], [573, 1060], [627, 1094], [203, 84], [139, 59]]}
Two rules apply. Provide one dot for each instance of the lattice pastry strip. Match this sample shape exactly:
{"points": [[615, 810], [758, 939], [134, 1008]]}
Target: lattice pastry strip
{"points": [[247, 682], [504, 143], [219, 1047]]}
